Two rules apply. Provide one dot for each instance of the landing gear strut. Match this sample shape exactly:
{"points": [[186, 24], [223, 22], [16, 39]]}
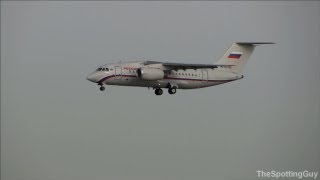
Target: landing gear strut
{"points": [[158, 91]]}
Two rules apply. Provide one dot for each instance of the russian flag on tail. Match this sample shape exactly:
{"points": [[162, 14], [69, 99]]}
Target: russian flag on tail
{"points": [[235, 55]]}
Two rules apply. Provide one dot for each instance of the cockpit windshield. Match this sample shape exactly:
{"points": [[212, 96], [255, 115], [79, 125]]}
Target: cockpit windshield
{"points": [[103, 69]]}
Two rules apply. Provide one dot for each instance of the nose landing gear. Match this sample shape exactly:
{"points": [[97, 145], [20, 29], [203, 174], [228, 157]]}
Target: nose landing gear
{"points": [[102, 88]]}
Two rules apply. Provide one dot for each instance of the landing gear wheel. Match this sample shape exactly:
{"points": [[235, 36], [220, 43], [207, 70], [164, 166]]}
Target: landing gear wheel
{"points": [[158, 91], [102, 88], [172, 90]]}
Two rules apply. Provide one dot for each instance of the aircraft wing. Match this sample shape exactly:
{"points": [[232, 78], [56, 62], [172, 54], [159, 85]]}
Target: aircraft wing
{"points": [[191, 66], [176, 66]]}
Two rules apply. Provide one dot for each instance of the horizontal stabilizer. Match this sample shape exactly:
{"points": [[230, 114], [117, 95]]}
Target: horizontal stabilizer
{"points": [[254, 43]]}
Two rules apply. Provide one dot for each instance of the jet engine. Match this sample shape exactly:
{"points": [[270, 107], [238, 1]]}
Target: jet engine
{"points": [[150, 73]]}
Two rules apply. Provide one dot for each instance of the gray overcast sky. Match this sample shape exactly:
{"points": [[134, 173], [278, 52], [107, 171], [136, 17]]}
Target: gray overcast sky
{"points": [[56, 125]]}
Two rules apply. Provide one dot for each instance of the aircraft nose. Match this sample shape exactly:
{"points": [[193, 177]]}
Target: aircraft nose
{"points": [[92, 78]]}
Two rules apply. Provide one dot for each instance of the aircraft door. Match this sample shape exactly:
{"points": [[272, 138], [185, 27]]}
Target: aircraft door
{"points": [[117, 72], [204, 76]]}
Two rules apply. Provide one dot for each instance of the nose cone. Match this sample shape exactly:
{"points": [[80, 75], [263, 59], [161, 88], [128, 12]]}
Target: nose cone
{"points": [[92, 77]]}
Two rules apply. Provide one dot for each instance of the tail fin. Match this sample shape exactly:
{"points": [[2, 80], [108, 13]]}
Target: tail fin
{"points": [[238, 54]]}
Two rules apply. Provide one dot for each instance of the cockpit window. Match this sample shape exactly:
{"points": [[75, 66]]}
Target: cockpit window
{"points": [[103, 69]]}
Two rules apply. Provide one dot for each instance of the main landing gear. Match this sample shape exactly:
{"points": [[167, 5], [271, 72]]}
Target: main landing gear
{"points": [[172, 90], [159, 91]]}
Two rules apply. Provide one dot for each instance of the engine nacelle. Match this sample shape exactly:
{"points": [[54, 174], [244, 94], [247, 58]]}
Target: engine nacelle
{"points": [[150, 73]]}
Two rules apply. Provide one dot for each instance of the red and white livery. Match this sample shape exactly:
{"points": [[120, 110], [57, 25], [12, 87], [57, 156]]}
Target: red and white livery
{"points": [[173, 76]]}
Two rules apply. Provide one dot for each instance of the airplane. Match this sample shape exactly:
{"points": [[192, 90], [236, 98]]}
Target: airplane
{"points": [[173, 76]]}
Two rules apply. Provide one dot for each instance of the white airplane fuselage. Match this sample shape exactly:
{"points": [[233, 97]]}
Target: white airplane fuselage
{"points": [[158, 75], [125, 74]]}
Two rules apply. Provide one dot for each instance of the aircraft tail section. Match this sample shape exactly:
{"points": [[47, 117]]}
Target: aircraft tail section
{"points": [[238, 54]]}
